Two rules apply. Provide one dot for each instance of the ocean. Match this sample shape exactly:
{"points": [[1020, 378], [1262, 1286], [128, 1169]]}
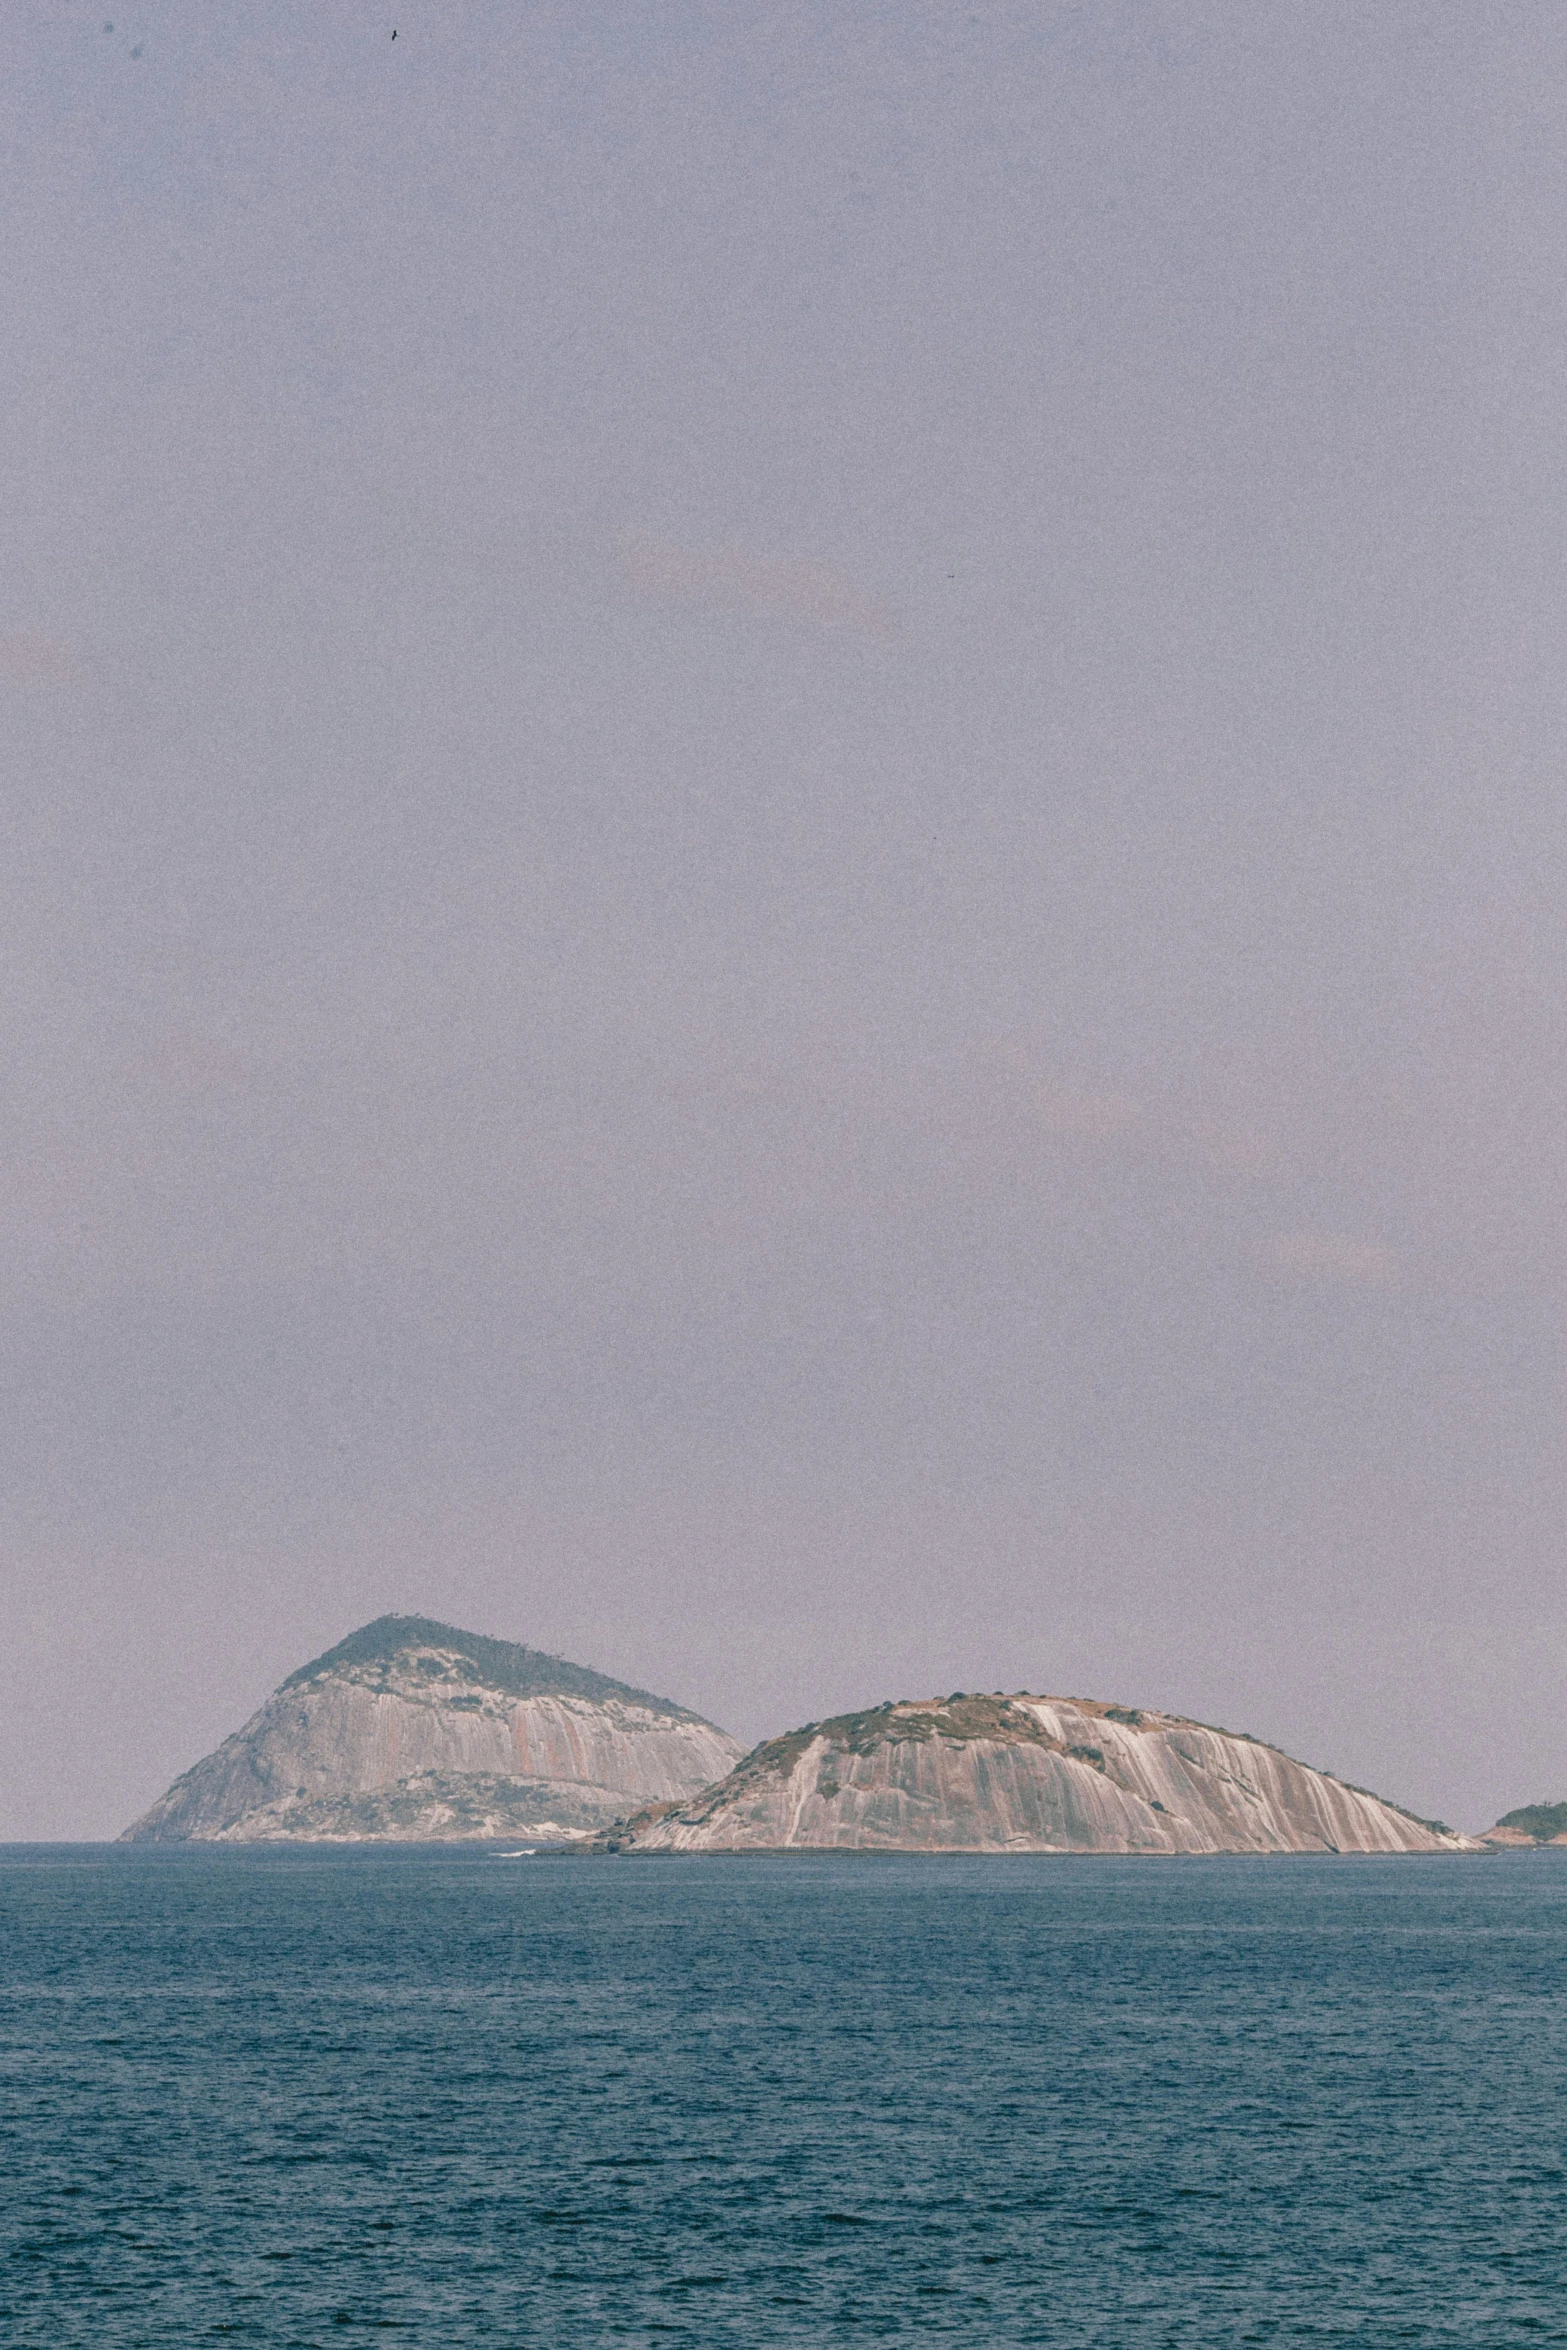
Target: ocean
{"points": [[315, 2096]]}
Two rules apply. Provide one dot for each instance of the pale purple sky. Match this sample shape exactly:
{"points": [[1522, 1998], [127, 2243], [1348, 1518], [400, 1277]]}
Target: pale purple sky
{"points": [[783, 864]]}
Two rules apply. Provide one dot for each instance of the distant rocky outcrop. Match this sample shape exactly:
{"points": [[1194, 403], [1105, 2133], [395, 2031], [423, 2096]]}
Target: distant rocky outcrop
{"points": [[1027, 1774], [412, 1730], [1532, 1824]]}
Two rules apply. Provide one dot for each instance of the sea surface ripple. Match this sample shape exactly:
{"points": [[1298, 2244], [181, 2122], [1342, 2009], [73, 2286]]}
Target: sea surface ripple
{"points": [[313, 2096]]}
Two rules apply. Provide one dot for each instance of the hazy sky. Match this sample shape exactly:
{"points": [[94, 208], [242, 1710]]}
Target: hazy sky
{"points": [[783, 863]]}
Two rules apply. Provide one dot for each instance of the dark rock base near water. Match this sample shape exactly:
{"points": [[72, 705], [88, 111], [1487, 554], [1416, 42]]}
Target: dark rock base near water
{"points": [[435, 1807]]}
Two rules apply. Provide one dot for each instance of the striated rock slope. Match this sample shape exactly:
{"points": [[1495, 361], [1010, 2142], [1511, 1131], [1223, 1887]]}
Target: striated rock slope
{"points": [[410, 1729], [1531, 1825], [1027, 1774]]}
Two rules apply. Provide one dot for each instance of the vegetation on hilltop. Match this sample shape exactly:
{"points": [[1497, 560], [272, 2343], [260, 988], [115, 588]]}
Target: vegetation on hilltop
{"points": [[505, 1665], [1541, 1821]]}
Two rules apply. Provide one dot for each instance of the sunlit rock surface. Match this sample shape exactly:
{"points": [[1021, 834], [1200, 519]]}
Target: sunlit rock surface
{"points": [[1028, 1774], [1531, 1825], [413, 1730]]}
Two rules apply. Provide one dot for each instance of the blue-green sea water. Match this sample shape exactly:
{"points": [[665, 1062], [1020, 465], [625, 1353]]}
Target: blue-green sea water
{"points": [[320, 2096]]}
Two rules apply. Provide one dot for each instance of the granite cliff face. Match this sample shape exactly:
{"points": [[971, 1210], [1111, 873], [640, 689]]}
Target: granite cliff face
{"points": [[1027, 1774], [409, 1729]]}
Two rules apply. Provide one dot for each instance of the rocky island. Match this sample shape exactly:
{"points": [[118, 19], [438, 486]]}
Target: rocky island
{"points": [[411, 1730], [1532, 1825], [1027, 1774]]}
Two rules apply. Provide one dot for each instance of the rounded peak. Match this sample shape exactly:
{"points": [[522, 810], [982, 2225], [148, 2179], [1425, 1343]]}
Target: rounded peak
{"points": [[504, 1665]]}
